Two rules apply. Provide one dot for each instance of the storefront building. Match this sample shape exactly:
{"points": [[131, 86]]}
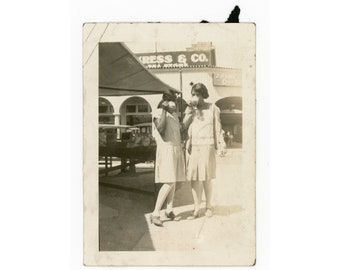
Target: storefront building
{"points": [[178, 69]]}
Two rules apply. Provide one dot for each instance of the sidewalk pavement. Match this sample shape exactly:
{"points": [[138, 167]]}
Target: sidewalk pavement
{"points": [[124, 214]]}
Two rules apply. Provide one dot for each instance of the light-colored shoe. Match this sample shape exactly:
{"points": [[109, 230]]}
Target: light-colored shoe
{"points": [[209, 213]]}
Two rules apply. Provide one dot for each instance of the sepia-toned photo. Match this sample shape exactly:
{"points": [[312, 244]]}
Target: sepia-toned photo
{"points": [[169, 144]]}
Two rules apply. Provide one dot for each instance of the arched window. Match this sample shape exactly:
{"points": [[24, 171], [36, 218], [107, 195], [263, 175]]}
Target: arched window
{"points": [[106, 111], [136, 111]]}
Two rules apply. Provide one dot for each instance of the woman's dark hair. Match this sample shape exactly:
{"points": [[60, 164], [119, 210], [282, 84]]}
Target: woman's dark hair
{"points": [[168, 95], [200, 88]]}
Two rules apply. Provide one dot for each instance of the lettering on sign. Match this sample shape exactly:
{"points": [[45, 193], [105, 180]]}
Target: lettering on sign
{"points": [[177, 59], [232, 77]]}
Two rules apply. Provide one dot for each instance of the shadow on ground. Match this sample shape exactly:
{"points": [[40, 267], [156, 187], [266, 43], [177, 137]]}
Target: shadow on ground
{"points": [[122, 218], [125, 202], [219, 210]]}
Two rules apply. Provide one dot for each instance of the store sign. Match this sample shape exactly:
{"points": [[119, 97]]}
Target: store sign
{"points": [[232, 77], [177, 59]]}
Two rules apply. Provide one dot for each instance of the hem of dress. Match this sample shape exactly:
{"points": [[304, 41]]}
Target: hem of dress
{"points": [[166, 182], [201, 180]]}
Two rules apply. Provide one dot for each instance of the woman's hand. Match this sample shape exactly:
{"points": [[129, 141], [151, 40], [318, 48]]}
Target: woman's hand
{"points": [[165, 105], [189, 110]]}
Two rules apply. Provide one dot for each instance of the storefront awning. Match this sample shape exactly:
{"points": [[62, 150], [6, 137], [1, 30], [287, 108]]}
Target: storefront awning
{"points": [[231, 118], [230, 103], [121, 73]]}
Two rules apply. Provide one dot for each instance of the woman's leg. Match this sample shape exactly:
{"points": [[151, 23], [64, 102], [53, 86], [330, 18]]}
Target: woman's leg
{"points": [[162, 195], [207, 185], [170, 198], [196, 188]]}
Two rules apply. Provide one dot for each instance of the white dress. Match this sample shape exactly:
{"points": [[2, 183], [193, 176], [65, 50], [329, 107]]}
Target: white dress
{"points": [[205, 135], [170, 164]]}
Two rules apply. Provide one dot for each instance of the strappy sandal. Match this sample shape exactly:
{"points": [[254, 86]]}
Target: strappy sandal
{"points": [[172, 216]]}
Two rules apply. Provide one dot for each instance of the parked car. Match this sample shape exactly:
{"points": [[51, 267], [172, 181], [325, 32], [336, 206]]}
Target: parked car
{"points": [[110, 133]]}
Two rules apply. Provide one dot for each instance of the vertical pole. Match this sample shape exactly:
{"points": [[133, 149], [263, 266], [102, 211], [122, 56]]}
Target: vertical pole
{"points": [[180, 85], [182, 113]]}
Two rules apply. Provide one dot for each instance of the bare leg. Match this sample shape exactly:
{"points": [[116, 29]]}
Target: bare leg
{"points": [[207, 185], [208, 194], [197, 188], [163, 193], [170, 198]]}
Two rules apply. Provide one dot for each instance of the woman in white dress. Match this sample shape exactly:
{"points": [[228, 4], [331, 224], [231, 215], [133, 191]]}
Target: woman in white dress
{"points": [[170, 165], [205, 137]]}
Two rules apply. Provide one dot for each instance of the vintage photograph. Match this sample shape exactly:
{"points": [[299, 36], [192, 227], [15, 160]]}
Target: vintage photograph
{"points": [[169, 144]]}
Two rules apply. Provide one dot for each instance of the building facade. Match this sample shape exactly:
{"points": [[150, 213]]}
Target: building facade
{"points": [[178, 69]]}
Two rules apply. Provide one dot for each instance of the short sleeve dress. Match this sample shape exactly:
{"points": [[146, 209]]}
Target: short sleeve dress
{"points": [[170, 164], [205, 135]]}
